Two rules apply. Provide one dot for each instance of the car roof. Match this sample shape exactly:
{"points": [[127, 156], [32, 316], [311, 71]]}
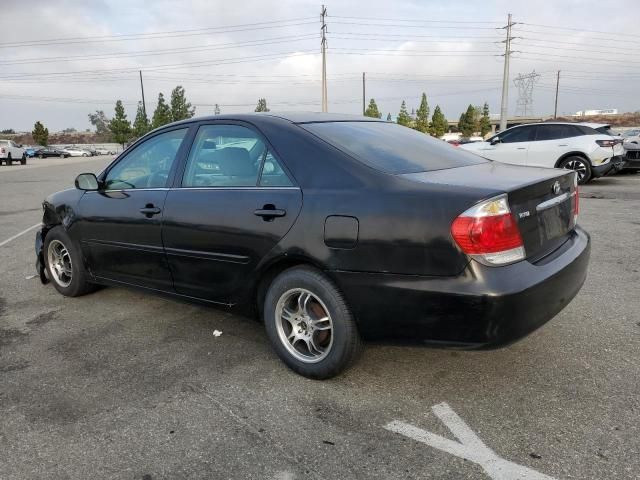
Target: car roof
{"points": [[293, 117], [594, 125]]}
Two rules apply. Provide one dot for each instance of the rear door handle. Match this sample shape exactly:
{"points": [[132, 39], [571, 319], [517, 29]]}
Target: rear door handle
{"points": [[563, 144], [150, 211], [522, 148], [269, 213]]}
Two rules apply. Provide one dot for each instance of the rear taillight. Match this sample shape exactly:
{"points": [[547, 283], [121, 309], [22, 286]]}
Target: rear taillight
{"points": [[489, 233], [2, 150], [608, 143], [576, 200]]}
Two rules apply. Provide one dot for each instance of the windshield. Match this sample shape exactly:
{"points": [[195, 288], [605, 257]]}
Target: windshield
{"points": [[391, 148]]}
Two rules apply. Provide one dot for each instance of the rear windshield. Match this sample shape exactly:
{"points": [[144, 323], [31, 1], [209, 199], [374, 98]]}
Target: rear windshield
{"points": [[392, 148]]}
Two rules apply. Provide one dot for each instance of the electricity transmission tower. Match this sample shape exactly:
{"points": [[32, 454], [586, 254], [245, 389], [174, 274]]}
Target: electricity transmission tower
{"points": [[525, 84]]}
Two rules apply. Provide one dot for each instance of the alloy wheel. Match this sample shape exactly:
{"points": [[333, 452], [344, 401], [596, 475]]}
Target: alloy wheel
{"points": [[304, 325], [577, 166], [59, 260]]}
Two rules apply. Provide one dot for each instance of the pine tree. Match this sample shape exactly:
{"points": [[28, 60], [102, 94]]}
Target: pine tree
{"points": [[485, 121], [162, 114], [403, 116], [389, 117], [372, 110], [180, 108], [468, 124], [216, 109], [119, 125], [262, 105], [141, 124], [100, 121], [439, 124], [40, 134], [422, 117]]}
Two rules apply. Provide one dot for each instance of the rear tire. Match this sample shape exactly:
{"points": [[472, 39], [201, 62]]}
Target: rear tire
{"points": [[309, 323], [65, 265], [9, 160], [580, 165]]}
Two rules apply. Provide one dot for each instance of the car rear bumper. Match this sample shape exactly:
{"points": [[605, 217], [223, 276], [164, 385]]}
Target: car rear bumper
{"points": [[602, 170], [485, 307], [632, 160]]}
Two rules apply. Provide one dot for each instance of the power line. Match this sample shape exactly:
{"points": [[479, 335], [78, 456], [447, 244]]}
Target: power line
{"points": [[581, 30], [140, 53], [409, 26], [413, 20], [153, 35]]}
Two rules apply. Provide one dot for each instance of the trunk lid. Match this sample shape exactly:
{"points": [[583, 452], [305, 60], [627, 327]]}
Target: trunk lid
{"points": [[541, 199]]}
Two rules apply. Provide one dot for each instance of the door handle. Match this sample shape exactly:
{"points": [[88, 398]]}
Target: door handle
{"points": [[522, 148], [269, 212], [563, 144], [149, 211]]}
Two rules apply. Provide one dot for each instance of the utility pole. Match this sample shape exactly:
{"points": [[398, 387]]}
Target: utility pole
{"points": [[555, 109], [323, 43], [364, 100], [504, 106], [144, 105]]}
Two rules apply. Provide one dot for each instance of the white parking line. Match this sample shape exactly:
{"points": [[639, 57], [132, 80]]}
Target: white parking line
{"points": [[469, 446], [2, 244]]}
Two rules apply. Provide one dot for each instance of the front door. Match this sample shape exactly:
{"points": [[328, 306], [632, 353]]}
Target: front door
{"points": [[234, 204], [512, 148], [121, 224]]}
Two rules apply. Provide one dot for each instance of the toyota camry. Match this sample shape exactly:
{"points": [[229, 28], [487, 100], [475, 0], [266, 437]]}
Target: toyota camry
{"points": [[333, 229]]}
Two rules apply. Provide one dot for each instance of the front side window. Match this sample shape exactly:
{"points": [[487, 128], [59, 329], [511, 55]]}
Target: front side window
{"points": [[148, 164], [519, 134], [231, 156]]}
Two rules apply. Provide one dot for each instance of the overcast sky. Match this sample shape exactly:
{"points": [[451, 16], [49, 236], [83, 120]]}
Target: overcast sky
{"points": [[60, 60]]}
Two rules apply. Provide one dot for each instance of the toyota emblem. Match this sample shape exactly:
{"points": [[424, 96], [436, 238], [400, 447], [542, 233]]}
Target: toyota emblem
{"points": [[556, 188]]}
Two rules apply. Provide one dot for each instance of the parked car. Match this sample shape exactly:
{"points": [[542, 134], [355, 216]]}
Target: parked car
{"points": [[30, 152], [90, 150], [46, 152], [632, 157], [76, 152], [399, 236], [11, 152], [576, 147], [631, 136], [104, 151]]}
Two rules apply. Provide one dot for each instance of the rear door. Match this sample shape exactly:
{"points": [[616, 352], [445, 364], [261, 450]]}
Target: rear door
{"points": [[230, 207], [512, 148], [121, 224], [551, 142]]}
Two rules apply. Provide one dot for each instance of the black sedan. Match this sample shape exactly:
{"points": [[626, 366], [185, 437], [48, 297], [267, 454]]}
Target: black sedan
{"points": [[49, 152], [333, 228]]}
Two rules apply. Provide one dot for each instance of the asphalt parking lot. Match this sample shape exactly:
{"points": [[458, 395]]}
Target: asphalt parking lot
{"points": [[121, 384]]}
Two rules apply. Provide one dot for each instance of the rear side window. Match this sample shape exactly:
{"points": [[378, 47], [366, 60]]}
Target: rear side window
{"points": [[556, 132], [232, 156], [391, 148]]}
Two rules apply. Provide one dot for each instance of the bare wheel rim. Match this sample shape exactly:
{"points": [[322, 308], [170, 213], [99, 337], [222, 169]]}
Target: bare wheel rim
{"points": [[60, 264], [577, 166], [304, 325]]}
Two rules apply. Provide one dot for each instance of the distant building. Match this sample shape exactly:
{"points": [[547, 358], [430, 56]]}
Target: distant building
{"points": [[592, 113]]}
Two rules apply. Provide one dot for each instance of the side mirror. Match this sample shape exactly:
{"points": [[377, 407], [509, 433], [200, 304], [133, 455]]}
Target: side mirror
{"points": [[495, 140], [87, 182], [20, 146]]}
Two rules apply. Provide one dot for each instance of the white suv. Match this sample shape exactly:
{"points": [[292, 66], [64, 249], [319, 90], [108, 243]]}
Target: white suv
{"points": [[552, 144], [11, 152]]}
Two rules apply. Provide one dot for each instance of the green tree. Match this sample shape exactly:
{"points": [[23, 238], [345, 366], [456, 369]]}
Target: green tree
{"points": [[8, 131], [40, 134], [180, 108], [162, 113], [119, 125], [403, 116], [389, 117], [372, 110], [216, 109], [141, 124], [468, 123], [422, 116], [439, 123], [485, 121], [100, 121], [262, 105]]}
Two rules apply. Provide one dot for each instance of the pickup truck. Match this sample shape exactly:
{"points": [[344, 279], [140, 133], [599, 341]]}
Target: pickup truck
{"points": [[11, 152]]}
